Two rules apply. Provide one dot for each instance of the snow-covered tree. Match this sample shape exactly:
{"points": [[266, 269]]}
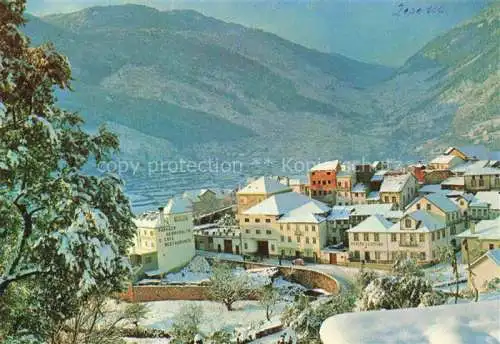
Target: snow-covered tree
{"points": [[227, 221], [63, 233], [406, 266], [305, 317], [363, 278], [187, 323], [268, 298], [227, 287], [393, 292], [448, 255]]}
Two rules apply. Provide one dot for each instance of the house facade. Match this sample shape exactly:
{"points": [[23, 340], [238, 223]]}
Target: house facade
{"points": [[345, 183], [486, 268], [398, 190], [323, 180], [445, 162], [288, 224], [481, 237], [482, 179], [164, 239], [417, 235]]}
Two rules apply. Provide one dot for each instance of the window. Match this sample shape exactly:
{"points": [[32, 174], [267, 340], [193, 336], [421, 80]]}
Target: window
{"points": [[429, 206], [314, 182], [408, 223], [393, 237], [268, 220], [356, 237], [307, 240], [314, 193], [453, 230], [272, 247], [421, 237], [443, 232], [366, 237], [328, 173], [418, 206], [282, 238], [433, 238], [377, 255], [297, 238], [307, 228], [313, 228], [257, 231], [376, 237], [247, 231], [245, 245], [394, 199], [324, 182], [314, 240], [386, 199], [413, 238], [289, 239], [288, 226], [329, 182], [281, 227], [148, 260], [481, 181], [438, 233], [422, 256], [268, 232]]}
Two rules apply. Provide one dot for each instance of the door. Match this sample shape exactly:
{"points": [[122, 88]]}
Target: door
{"points": [[228, 246], [297, 254], [333, 258], [263, 248], [237, 249], [367, 256]]}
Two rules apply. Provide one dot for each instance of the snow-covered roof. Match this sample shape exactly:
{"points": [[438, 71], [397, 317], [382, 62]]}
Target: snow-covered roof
{"points": [[488, 197], [472, 322], [373, 196], [177, 205], [282, 203], [482, 171], [494, 255], [345, 174], [326, 166], [298, 180], [395, 183], [375, 223], [149, 219], [339, 213], [394, 214], [427, 221], [369, 209], [484, 230], [303, 214], [454, 181], [359, 187], [430, 188], [444, 159], [194, 195], [439, 200], [264, 185], [470, 165]]}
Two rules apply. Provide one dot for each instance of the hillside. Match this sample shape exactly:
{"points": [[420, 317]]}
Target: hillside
{"points": [[207, 87], [448, 93], [179, 84]]}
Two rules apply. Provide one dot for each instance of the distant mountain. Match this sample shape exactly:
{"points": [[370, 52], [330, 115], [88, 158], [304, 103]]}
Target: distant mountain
{"points": [[199, 87], [209, 88], [448, 93]]}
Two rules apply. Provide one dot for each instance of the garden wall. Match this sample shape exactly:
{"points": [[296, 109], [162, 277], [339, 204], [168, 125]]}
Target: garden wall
{"points": [[302, 275], [310, 278]]}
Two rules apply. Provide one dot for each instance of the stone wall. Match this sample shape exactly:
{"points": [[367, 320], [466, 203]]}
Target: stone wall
{"points": [[304, 276], [164, 292]]}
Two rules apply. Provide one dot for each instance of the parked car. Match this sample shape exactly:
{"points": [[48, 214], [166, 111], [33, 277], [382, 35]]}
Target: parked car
{"points": [[298, 261]]}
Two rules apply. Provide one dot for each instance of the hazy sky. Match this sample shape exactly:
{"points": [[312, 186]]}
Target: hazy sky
{"points": [[367, 30]]}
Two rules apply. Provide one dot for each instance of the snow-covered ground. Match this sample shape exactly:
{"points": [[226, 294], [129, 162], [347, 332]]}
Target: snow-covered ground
{"points": [[469, 323], [215, 315], [443, 272]]}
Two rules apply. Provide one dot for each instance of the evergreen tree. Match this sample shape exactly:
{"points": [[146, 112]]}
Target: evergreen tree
{"points": [[63, 233]]}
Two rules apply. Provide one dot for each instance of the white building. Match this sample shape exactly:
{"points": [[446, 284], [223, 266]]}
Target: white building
{"points": [[165, 239]]}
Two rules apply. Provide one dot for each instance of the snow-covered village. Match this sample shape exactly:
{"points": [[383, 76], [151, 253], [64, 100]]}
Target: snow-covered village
{"points": [[323, 248]]}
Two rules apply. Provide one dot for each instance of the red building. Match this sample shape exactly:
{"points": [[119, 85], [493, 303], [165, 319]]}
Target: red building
{"points": [[323, 179], [419, 172]]}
